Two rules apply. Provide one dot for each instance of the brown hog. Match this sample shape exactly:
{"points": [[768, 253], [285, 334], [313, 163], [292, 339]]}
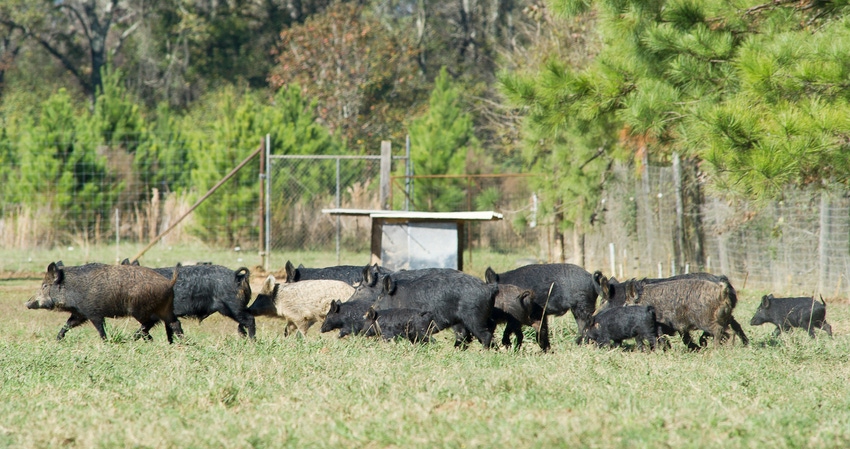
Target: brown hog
{"points": [[688, 302], [95, 291]]}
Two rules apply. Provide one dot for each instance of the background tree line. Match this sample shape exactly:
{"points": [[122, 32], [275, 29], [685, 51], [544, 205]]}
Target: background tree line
{"points": [[749, 97]]}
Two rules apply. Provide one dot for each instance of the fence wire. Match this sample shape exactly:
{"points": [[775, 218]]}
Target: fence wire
{"points": [[302, 187], [797, 246]]}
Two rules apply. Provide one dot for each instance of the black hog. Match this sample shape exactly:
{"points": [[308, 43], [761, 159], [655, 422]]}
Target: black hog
{"points": [[371, 283], [514, 307], [350, 274], [683, 303], [410, 324], [349, 317], [455, 299], [203, 290], [785, 313], [557, 288], [619, 323], [93, 292]]}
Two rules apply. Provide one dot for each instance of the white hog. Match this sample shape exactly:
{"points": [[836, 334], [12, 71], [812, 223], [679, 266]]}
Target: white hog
{"points": [[301, 304]]}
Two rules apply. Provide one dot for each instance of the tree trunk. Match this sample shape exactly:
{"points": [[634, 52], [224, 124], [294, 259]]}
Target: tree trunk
{"points": [[693, 230], [679, 233], [559, 253]]}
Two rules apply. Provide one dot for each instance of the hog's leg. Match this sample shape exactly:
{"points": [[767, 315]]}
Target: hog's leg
{"points": [[246, 326], [519, 336], [98, 324], [483, 335], [688, 341], [739, 331], [543, 334], [825, 326], [462, 336], [144, 331], [73, 321]]}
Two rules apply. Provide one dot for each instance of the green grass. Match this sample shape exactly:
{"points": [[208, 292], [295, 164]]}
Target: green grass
{"points": [[217, 390]]}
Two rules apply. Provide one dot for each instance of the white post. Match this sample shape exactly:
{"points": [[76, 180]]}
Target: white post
{"points": [[117, 235], [611, 256], [268, 195], [660, 272]]}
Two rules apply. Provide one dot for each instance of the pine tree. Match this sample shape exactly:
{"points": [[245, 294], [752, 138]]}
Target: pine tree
{"points": [[231, 127], [439, 142], [753, 90]]}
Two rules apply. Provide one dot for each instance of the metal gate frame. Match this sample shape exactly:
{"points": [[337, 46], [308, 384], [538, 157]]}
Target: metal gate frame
{"points": [[385, 157]]}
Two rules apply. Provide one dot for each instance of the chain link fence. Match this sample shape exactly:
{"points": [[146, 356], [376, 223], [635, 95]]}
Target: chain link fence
{"points": [[106, 211], [301, 186], [797, 246]]}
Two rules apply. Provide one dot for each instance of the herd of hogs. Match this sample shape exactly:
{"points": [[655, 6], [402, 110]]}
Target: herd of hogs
{"points": [[414, 304]]}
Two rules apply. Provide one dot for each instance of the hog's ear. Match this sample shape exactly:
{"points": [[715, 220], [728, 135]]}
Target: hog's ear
{"points": [[56, 272], [334, 306], [631, 290], [368, 277], [370, 314], [126, 261], [268, 285], [526, 298], [389, 285], [490, 276], [604, 287], [289, 269], [765, 301]]}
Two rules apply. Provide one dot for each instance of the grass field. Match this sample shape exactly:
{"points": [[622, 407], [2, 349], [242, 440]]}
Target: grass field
{"points": [[217, 390]]}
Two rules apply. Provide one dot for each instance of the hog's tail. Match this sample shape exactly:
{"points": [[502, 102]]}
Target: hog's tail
{"points": [[242, 273], [729, 292], [174, 276]]}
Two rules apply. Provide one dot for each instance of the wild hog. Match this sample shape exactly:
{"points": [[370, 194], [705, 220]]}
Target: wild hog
{"points": [[349, 317], [410, 324], [301, 304], [203, 290], [619, 323], [350, 274], [557, 288], [455, 299], [785, 313], [514, 307], [683, 303], [371, 283], [93, 292]]}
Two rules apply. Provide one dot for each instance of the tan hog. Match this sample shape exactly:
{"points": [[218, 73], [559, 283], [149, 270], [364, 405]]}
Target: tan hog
{"points": [[301, 304]]}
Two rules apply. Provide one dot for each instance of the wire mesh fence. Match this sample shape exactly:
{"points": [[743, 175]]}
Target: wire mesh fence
{"points": [[797, 246], [301, 186]]}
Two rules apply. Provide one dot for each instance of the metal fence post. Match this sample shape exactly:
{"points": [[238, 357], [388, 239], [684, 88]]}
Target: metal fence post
{"points": [[338, 223], [386, 167], [268, 226]]}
